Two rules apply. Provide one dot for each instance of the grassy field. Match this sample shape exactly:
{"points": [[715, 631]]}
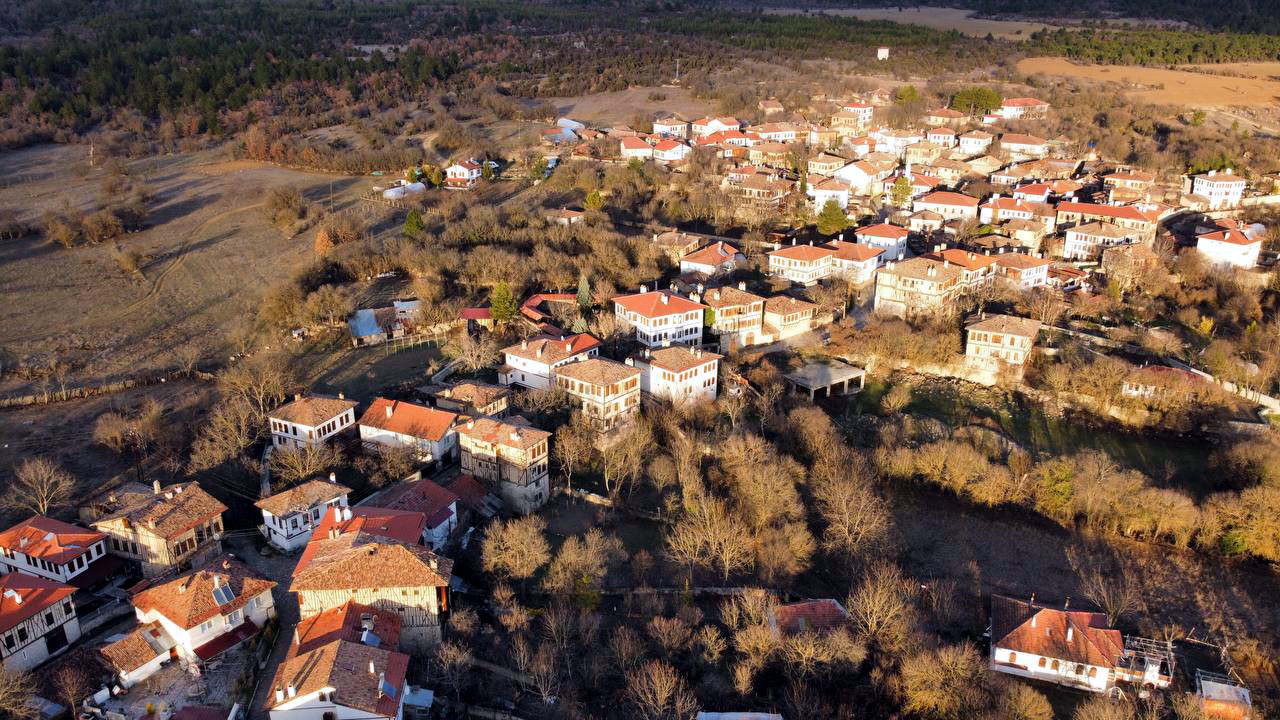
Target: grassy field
{"points": [[938, 18], [1173, 87], [621, 106]]}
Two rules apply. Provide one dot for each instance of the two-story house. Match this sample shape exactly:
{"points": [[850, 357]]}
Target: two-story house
{"points": [[976, 270], [1088, 241], [678, 374], [511, 456], [1229, 248], [801, 264], [37, 620], [462, 175], [607, 392], [715, 259], [474, 398], [392, 525], [975, 142], [950, 205], [310, 420], [785, 317], [1023, 270], [208, 610], [892, 239], [438, 505], [736, 315], [1222, 189], [427, 431], [409, 580], [343, 664], [660, 317], [1142, 220], [289, 516], [161, 528], [52, 549], [998, 341], [532, 362]]}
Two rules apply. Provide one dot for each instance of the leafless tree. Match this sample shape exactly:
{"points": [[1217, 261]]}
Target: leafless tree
{"points": [[709, 536], [948, 683], [16, 691], [39, 486], [262, 380], [74, 683], [516, 548], [452, 666], [659, 693], [1105, 583], [583, 560], [472, 354], [231, 426], [1019, 701], [623, 461], [573, 445], [881, 608], [292, 466], [857, 519]]}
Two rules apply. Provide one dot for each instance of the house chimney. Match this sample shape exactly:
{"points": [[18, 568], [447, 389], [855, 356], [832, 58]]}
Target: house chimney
{"points": [[515, 436], [297, 397], [292, 690], [372, 669], [1070, 633], [630, 361], [568, 347], [217, 581], [342, 395], [471, 424], [279, 695], [155, 486], [538, 352], [382, 681], [390, 409], [524, 344], [333, 477], [666, 299], [1066, 604], [655, 239], [644, 288], [346, 513]]}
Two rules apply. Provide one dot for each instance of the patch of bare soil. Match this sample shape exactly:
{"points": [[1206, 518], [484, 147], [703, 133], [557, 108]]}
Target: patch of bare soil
{"points": [[621, 106], [1158, 85]]}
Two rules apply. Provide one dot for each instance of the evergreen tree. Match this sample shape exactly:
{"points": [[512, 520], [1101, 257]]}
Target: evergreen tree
{"points": [[832, 219], [413, 224], [502, 305], [974, 100], [486, 170], [584, 294], [594, 201], [901, 192]]}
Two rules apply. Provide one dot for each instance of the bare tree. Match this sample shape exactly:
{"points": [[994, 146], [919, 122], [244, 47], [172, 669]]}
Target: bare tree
{"points": [[290, 466], [452, 666], [516, 548], [857, 519], [881, 608], [231, 426], [1019, 701], [659, 693], [709, 536], [73, 683], [574, 441], [16, 691], [39, 486], [948, 683], [262, 380], [1106, 584], [472, 354]]}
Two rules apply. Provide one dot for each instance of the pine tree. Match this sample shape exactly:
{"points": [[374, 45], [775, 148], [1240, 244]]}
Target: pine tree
{"points": [[502, 305], [594, 201], [413, 224], [584, 294], [832, 219], [901, 192]]}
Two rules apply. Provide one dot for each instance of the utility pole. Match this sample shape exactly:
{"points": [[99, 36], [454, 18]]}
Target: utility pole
{"points": [[677, 71]]}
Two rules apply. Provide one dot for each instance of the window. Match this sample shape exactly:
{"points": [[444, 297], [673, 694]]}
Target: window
{"points": [[22, 635], [1042, 662], [48, 619], [1093, 672], [1013, 657], [8, 641], [1054, 666], [206, 626]]}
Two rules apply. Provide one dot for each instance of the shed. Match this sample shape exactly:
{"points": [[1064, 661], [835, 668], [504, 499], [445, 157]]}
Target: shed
{"points": [[833, 376]]}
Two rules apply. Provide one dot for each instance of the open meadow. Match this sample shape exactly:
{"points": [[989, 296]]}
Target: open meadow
{"points": [[1171, 87]]}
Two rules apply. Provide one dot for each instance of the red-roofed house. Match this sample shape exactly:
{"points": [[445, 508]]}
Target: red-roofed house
{"points": [[398, 424], [669, 151], [1223, 189], [660, 317], [855, 261], [1023, 270], [289, 516], [944, 116], [462, 175], [406, 526], [1023, 107], [950, 205], [709, 125], [438, 504], [1023, 146], [634, 148], [532, 362], [889, 238], [1142, 219], [816, 616], [802, 264], [714, 259], [1231, 248], [976, 270], [310, 420], [49, 548], [37, 619]]}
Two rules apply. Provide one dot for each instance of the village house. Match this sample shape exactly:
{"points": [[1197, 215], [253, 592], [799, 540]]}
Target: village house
{"points": [[779, 132], [1087, 241], [162, 529], [1020, 146], [771, 153], [715, 259], [343, 664], [828, 189], [1072, 648], [855, 262], [860, 146], [947, 170], [1023, 270], [943, 137], [510, 455], [438, 506], [289, 516], [55, 550], [801, 264], [462, 175], [862, 174], [671, 126], [917, 183], [1229, 248], [949, 205], [374, 326], [770, 106], [391, 524], [634, 148], [398, 577], [975, 142], [1016, 108], [1041, 192], [922, 153], [710, 125], [977, 270], [737, 315], [208, 610], [675, 244], [919, 286], [821, 136], [822, 617], [668, 151], [847, 123], [944, 116], [678, 374], [310, 420], [895, 142], [607, 392], [889, 238], [1142, 219], [427, 431], [1136, 180], [1223, 189], [998, 341], [786, 317], [139, 654], [37, 620], [1157, 383], [762, 190], [473, 398], [825, 164], [532, 362], [565, 216], [660, 317]]}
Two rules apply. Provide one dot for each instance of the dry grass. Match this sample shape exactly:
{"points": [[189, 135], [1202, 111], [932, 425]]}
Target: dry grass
{"points": [[622, 105], [1172, 87]]}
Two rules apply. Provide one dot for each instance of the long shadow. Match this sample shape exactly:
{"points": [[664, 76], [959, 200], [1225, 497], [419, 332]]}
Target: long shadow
{"points": [[174, 211], [178, 252], [28, 247], [320, 191]]}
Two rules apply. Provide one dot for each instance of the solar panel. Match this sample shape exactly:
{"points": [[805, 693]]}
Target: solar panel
{"points": [[223, 595]]}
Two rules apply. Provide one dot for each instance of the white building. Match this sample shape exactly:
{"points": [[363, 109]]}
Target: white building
{"points": [[1231, 248], [714, 259], [660, 317], [975, 142], [678, 374], [634, 148], [669, 151], [671, 127], [1000, 340], [944, 136], [889, 238], [37, 620], [139, 654], [511, 456], [310, 420], [462, 175], [427, 431], [855, 261], [50, 549], [710, 125], [824, 190], [1023, 270], [607, 392], [950, 205], [532, 362], [1020, 107], [1071, 647], [1086, 242], [208, 610], [862, 174], [802, 264], [290, 516], [1222, 189]]}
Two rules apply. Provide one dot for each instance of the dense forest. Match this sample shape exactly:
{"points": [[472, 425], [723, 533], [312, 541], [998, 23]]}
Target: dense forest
{"points": [[1155, 47]]}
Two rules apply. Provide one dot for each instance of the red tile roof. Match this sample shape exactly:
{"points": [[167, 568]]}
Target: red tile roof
{"points": [[358, 560], [406, 418], [402, 525], [301, 498], [964, 258], [1039, 630], [1123, 212], [1022, 102], [312, 410], [943, 197], [48, 539], [188, 599], [883, 230], [820, 616], [1235, 237], [23, 596], [551, 349], [714, 254], [803, 253], [423, 496], [1020, 139], [651, 304], [346, 622], [354, 671], [855, 252]]}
